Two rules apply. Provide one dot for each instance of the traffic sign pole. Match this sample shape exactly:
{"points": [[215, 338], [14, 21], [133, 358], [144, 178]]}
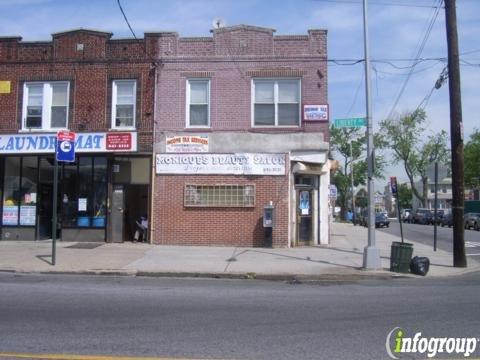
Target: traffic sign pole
{"points": [[54, 216], [394, 187], [64, 151]]}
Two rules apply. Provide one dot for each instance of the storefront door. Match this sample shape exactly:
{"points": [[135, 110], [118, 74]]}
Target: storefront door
{"points": [[304, 216], [118, 214], [45, 200], [45, 211]]}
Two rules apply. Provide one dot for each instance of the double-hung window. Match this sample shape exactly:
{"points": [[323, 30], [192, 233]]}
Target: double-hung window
{"points": [[276, 102], [198, 103], [45, 105], [123, 103]]}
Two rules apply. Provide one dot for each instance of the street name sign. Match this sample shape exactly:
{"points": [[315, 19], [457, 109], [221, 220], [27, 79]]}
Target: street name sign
{"points": [[352, 122]]}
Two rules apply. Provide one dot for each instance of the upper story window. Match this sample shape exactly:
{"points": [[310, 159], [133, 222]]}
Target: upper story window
{"points": [[45, 105], [276, 102], [198, 103], [123, 103]]}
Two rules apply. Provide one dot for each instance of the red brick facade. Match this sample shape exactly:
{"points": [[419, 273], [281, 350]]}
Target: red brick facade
{"points": [[161, 64], [89, 69], [230, 60]]}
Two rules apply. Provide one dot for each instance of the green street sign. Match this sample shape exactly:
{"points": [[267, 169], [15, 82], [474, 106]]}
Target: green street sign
{"points": [[352, 122]]}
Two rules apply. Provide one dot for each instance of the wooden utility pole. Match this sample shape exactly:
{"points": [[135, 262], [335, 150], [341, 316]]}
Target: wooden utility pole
{"points": [[456, 135]]}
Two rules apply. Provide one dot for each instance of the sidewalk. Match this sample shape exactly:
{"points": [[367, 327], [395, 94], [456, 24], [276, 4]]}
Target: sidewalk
{"points": [[342, 259]]}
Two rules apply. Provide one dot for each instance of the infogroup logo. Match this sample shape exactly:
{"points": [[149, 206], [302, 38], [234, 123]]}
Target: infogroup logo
{"points": [[398, 343]]}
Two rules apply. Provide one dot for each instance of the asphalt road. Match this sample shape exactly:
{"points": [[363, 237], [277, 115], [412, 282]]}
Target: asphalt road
{"points": [[424, 234], [227, 319]]}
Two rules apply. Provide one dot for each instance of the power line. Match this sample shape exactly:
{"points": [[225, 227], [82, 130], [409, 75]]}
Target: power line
{"points": [[440, 81], [378, 3], [419, 52], [126, 20], [355, 96]]}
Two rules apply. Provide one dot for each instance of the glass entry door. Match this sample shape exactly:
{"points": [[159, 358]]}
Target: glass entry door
{"points": [[304, 216]]}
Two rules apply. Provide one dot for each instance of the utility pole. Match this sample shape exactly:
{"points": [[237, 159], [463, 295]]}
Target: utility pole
{"points": [[351, 178], [371, 255], [456, 135]]}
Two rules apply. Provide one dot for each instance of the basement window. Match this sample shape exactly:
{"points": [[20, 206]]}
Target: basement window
{"points": [[219, 195]]}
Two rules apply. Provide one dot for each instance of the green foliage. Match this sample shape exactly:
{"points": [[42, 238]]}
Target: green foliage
{"points": [[404, 196], [472, 160], [350, 145], [406, 138]]}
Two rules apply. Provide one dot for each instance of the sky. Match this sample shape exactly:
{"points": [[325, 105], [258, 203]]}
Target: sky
{"points": [[397, 30]]}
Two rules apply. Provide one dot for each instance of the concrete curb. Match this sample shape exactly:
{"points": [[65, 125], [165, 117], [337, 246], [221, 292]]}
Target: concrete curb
{"points": [[293, 278]]}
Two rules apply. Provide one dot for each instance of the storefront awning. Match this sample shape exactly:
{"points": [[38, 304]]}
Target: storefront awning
{"points": [[307, 168]]}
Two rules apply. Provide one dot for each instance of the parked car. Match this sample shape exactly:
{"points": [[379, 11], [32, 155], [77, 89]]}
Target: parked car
{"points": [[409, 218], [472, 221], [426, 218], [440, 214], [381, 220], [447, 219], [405, 214], [418, 216]]}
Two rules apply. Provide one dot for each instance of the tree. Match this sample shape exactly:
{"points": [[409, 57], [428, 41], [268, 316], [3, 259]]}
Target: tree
{"points": [[350, 144], [404, 194], [406, 135], [471, 154]]}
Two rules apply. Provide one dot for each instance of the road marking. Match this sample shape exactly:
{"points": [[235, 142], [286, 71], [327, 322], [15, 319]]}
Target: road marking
{"points": [[80, 357], [473, 254], [472, 244]]}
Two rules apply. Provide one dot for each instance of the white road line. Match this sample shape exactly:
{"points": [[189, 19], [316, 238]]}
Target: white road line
{"points": [[472, 244]]}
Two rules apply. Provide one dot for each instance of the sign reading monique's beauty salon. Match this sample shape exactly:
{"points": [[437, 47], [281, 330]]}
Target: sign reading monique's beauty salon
{"points": [[231, 164], [84, 143]]}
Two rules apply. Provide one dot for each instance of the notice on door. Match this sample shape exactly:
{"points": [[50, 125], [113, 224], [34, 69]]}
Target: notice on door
{"points": [[82, 204]]}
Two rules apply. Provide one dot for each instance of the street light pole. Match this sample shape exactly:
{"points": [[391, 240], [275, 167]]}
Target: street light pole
{"points": [[371, 255]]}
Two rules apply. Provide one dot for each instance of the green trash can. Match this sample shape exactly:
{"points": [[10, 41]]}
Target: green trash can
{"points": [[400, 257]]}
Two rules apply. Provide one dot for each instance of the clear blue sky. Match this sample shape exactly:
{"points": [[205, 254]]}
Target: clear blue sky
{"points": [[397, 28]]}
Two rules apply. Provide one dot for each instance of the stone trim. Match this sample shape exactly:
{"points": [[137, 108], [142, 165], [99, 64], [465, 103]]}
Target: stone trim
{"points": [[197, 74], [276, 73]]}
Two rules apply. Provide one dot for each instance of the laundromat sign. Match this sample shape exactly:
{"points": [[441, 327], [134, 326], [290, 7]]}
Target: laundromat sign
{"points": [[84, 143], [233, 164]]}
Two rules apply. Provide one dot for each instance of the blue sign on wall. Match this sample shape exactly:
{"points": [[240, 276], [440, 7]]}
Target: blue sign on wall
{"points": [[65, 150]]}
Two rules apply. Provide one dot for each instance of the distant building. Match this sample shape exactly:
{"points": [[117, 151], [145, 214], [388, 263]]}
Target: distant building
{"points": [[444, 194]]}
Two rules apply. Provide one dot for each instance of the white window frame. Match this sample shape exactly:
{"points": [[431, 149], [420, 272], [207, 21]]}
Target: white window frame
{"points": [[47, 96], [187, 104], [114, 104], [275, 99]]}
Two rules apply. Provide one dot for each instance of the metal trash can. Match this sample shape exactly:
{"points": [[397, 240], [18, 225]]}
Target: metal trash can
{"points": [[400, 257]]}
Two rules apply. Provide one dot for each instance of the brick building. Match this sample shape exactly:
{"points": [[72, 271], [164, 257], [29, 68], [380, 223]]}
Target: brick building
{"points": [[241, 122], [103, 90]]}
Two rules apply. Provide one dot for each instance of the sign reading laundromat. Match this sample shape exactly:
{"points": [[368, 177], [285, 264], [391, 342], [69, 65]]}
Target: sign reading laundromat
{"points": [[232, 164], [84, 143]]}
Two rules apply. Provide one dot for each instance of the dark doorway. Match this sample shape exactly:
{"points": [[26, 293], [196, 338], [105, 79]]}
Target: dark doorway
{"points": [[136, 197], [304, 215], [45, 199]]}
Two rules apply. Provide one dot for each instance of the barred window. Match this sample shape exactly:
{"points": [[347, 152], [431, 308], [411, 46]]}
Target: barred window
{"points": [[219, 195]]}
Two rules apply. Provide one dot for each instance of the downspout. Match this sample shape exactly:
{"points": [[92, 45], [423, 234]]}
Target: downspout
{"points": [[152, 168]]}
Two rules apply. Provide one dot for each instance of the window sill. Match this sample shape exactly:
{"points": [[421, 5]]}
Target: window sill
{"points": [[122, 129], [33, 131], [276, 127]]}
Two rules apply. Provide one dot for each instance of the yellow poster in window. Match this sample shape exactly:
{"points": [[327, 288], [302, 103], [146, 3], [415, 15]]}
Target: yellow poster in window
{"points": [[5, 87]]}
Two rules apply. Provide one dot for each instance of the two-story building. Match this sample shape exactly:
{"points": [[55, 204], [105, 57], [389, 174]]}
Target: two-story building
{"points": [[234, 122], [241, 123], [103, 90]]}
